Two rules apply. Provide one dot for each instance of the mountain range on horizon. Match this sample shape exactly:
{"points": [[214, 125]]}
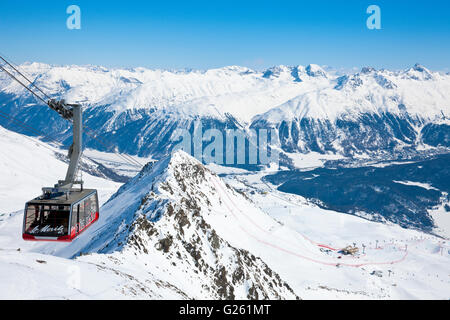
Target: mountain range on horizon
{"points": [[371, 113]]}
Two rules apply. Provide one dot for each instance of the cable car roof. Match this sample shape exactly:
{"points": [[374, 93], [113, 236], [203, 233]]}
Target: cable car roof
{"points": [[73, 197]]}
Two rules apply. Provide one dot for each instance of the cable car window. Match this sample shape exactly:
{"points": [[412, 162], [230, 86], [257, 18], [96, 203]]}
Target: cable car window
{"points": [[91, 207], [94, 205], [32, 215], [81, 217], [45, 220], [74, 223]]}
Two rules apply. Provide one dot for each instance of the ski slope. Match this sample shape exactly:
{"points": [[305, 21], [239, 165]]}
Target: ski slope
{"points": [[305, 237]]}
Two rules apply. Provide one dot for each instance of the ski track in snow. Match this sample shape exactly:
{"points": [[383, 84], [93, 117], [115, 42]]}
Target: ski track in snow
{"points": [[271, 244]]}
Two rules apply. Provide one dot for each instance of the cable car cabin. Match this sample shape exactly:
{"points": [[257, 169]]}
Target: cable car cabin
{"points": [[61, 217]]}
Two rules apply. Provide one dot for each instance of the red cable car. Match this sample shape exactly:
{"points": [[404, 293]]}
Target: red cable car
{"points": [[61, 217]]}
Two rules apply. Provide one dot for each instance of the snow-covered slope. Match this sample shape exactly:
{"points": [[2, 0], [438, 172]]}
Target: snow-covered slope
{"points": [[206, 260], [379, 112], [27, 165], [392, 263], [164, 221], [27, 275], [178, 227]]}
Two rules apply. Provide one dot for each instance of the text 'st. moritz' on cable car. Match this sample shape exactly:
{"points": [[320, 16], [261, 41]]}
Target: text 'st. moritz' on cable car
{"points": [[60, 218]]}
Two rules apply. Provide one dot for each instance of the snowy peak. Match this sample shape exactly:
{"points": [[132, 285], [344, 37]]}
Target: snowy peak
{"points": [[296, 74], [418, 72], [282, 73], [365, 79], [313, 70], [367, 70], [348, 82], [420, 68], [166, 218]]}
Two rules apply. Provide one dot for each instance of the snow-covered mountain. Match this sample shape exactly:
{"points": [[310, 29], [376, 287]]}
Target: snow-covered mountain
{"points": [[180, 229], [169, 218], [157, 229], [177, 230], [373, 112], [368, 112]]}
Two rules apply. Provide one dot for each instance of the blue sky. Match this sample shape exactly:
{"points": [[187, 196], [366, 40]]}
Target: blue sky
{"points": [[207, 34]]}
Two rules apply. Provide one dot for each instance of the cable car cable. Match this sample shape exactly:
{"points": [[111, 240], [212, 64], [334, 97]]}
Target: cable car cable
{"points": [[124, 156], [26, 126], [32, 92], [130, 160], [34, 140], [32, 83], [133, 163], [96, 138]]}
